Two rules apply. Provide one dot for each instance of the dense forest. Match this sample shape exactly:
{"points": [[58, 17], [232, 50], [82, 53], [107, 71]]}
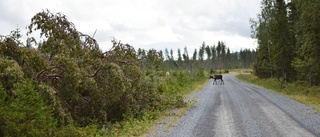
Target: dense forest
{"points": [[288, 39]]}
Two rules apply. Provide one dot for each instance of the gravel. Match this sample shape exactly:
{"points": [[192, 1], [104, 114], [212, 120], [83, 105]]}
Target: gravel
{"points": [[240, 109]]}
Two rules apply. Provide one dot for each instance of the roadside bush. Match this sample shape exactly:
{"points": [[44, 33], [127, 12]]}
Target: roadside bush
{"points": [[175, 86], [226, 71], [24, 113], [212, 71]]}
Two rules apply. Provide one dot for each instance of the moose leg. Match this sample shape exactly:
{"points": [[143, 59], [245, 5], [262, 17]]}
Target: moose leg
{"points": [[222, 82]]}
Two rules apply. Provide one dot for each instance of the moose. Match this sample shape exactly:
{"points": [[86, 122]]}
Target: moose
{"points": [[215, 77]]}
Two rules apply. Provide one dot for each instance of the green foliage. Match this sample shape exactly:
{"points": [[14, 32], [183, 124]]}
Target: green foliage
{"points": [[62, 36], [307, 61], [212, 71], [288, 40], [10, 73], [32, 61], [9, 46], [175, 86], [24, 113], [226, 71], [275, 39]]}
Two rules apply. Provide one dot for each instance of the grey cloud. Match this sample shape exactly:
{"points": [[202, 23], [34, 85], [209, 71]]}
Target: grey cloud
{"points": [[186, 18]]}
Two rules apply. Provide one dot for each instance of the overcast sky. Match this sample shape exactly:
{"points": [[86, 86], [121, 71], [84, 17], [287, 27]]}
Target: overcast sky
{"points": [[146, 24]]}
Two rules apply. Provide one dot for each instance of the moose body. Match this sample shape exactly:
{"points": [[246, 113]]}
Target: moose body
{"points": [[215, 77]]}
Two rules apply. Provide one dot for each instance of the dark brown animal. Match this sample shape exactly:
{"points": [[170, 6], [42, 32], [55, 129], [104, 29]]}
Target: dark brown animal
{"points": [[215, 77]]}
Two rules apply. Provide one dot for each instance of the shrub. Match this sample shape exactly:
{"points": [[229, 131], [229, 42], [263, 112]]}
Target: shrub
{"points": [[226, 71], [24, 112], [212, 71]]}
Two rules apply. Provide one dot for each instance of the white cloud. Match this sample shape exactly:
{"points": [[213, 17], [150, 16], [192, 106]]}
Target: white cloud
{"points": [[237, 41], [157, 24]]}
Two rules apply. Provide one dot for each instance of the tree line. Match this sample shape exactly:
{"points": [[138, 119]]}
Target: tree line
{"points": [[209, 57], [288, 39]]}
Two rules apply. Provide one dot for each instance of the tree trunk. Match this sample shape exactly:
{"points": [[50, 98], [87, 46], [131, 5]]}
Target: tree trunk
{"points": [[283, 75], [310, 74]]}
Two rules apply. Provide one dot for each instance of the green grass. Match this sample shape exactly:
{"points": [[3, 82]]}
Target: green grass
{"points": [[297, 90]]}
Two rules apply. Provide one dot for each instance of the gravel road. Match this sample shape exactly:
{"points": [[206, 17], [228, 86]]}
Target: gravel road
{"points": [[240, 109]]}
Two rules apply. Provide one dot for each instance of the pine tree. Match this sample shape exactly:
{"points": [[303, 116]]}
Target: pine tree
{"points": [[213, 56], [283, 51], [179, 61], [307, 61], [219, 49], [223, 54]]}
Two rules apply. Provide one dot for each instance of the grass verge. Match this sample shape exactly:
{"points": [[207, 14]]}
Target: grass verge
{"points": [[297, 90], [171, 117]]}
